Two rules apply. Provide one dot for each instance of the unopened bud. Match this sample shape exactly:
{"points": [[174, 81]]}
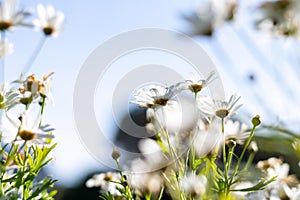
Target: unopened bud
{"points": [[115, 154], [232, 143], [253, 148], [256, 121]]}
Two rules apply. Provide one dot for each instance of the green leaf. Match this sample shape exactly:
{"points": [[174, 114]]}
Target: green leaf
{"points": [[259, 186]]}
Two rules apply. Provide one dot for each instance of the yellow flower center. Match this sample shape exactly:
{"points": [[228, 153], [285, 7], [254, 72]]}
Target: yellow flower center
{"points": [[26, 135], [108, 177], [222, 113], [2, 98], [161, 101], [196, 88], [5, 25], [48, 30]]}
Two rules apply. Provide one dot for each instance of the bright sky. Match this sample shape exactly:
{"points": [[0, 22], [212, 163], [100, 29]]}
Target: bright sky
{"points": [[90, 23]]}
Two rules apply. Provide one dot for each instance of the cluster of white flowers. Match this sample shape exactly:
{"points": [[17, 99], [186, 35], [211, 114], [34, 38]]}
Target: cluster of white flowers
{"points": [[26, 141], [106, 181], [284, 187], [192, 134], [190, 130], [210, 15], [280, 17]]}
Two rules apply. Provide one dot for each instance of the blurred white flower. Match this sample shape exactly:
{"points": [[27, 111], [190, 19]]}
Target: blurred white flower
{"points": [[236, 131], [280, 17], [6, 48], [108, 182], [9, 96], [145, 173], [195, 84], [179, 117], [219, 108], [193, 185], [207, 138], [285, 184], [26, 129], [210, 15], [10, 16], [153, 157], [146, 182], [238, 186], [50, 21]]}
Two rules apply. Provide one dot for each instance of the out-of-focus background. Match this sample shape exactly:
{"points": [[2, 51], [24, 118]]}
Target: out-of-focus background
{"points": [[262, 68]]}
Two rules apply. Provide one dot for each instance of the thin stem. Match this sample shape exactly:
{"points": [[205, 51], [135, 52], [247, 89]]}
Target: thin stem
{"points": [[42, 108], [123, 182], [230, 154], [2, 67], [192, 157], [242, 154], [161, 193], [34, 55], [249, 161], [148, 196], [226, 190]]}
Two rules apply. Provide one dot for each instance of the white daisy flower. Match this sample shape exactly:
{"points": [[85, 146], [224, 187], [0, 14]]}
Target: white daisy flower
{"points": [[10, 16], [156, 95], [236, 131], [108, 182], [50, 21], [193, 185], [195, 84], [27, 129], [9, 97], [34, 88], [219, 108]]}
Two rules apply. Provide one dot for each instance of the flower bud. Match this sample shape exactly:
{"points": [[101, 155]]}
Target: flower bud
{"points": [[256, 121], [115, 154], [253, 148]]}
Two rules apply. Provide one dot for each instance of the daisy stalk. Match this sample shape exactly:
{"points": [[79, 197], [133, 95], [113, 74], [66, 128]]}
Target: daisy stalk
{"points": [[255, 122], [33, 56], [2, 71]]}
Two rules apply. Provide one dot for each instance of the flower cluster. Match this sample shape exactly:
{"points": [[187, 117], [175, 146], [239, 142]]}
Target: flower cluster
{"points": [[26, 140], [198, 151], [210, 15], [280, 17]]}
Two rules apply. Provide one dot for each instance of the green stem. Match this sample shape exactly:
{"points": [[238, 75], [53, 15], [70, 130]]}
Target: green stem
{"points": [[230, 154], [42, 108], [33, 56], [148, 196], [249, 161], [225, 164], [124, 183], [2, 67], [192, 157], [161, 193], [242, 154]]}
